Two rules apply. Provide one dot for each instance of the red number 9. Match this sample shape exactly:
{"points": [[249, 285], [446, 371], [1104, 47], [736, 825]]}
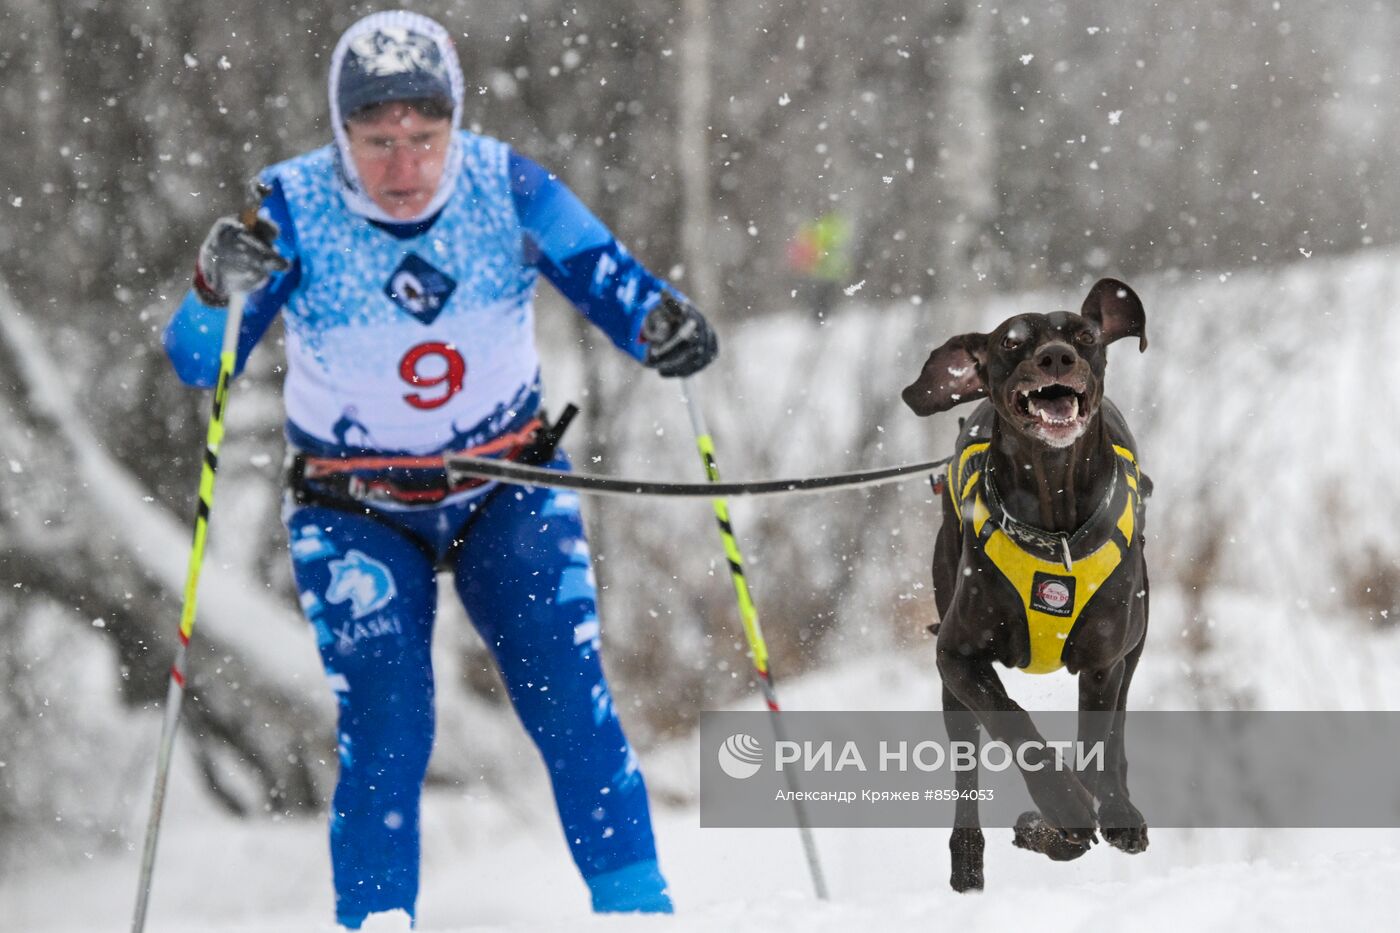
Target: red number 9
{"points": [[449, 373]]}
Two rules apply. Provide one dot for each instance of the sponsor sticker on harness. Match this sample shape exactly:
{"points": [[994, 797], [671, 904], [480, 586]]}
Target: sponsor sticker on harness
{"points": [[1052, 595]]}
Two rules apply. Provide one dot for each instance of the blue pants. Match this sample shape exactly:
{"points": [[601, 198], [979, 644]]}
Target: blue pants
{"points": [[523, 573]]}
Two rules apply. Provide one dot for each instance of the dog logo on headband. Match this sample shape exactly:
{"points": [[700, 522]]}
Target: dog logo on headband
{"points": [[394, 51]]}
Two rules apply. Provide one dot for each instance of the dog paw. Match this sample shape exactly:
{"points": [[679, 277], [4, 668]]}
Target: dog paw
{"points": [[966, 846], [1131, 841], [1035, 835], [1067, 807], [966, 879], [1123, 827]]}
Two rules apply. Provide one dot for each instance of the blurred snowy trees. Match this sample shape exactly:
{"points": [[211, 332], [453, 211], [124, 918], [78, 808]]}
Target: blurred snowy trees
{"points": [[1030, 142]]}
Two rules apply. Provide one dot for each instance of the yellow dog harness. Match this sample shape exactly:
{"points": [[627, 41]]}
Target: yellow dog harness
{"points": [[1053, 592]]}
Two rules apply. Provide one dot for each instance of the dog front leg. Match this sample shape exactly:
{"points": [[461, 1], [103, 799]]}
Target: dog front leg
{"points": [[1123, 824], [1098, 707], [967, 842], [1067, 806]]}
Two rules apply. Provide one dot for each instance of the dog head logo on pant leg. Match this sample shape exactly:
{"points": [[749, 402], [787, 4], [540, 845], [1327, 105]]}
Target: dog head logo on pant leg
{"points": [[365, 582]]}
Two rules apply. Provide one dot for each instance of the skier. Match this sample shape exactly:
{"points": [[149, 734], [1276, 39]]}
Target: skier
{"points": [[819, 255], [404, 258]]}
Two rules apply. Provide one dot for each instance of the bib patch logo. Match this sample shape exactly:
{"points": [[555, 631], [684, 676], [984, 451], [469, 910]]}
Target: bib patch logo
{"points": [[420, 289], [1052, 595]]}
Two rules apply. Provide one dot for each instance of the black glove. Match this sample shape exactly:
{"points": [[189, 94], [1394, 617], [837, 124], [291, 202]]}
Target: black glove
{"points": [[234, 258], [679, 340]]}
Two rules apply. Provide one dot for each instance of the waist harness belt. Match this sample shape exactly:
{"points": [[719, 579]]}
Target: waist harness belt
{"points": [[409, 480], [1054, 586], [355, 484]]}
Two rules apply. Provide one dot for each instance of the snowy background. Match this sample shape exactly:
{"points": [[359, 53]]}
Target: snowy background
{"points": [[1231, 160]]}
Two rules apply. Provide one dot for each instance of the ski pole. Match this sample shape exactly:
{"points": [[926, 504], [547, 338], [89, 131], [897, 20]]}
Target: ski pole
{"points": [[748, 615], [175, 693]]}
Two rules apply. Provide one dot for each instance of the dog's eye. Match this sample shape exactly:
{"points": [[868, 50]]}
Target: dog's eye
{"points": [[1086, 337], [1009, 342]]}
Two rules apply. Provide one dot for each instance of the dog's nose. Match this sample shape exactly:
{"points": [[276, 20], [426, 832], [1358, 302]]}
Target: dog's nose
{"points": [[1056, 359]]}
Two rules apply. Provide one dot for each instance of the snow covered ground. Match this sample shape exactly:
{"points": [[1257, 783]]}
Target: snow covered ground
{"points": [[486, 869], [499, 863]]}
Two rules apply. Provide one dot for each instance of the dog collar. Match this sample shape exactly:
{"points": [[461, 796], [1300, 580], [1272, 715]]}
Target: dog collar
{"points": [[1059, 545]]}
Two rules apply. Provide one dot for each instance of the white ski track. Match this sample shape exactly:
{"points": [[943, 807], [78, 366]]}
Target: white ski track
{"points": [[226, 877], [498, 862]]}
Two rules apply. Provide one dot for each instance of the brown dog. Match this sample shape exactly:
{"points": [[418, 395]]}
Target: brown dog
{"points": [[1039, 561]]}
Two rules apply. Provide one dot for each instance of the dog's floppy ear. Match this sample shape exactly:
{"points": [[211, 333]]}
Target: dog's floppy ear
{"points": [[1117, 310], [952, 375]]}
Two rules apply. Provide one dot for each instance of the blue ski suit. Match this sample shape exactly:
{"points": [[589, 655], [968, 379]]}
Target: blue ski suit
{"points": [[410, 339]]}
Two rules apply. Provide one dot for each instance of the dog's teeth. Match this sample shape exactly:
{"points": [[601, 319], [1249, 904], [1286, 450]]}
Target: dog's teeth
{"points": [[1048, 418]]}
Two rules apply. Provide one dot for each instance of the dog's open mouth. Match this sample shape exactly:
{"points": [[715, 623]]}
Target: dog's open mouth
{"points": [[1056, 411], [1053, 404]]}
